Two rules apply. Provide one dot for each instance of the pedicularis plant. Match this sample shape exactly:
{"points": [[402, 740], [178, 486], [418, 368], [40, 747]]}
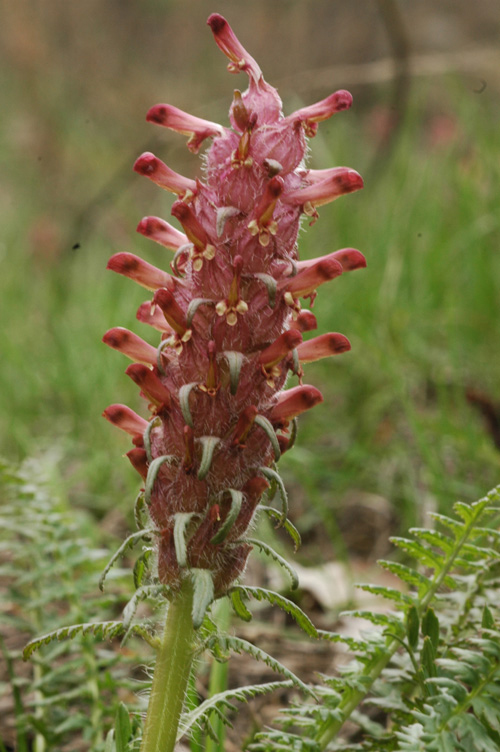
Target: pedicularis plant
{"points": [[427, 677], [232, 327]]}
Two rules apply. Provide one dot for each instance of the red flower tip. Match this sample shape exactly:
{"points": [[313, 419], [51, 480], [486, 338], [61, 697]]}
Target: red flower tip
{"points": [[161, 232], [150, 384], [138, 460], [322, 347], [314, 113], [306, 321], [157, 171], [349, 258], [177, 120], [309, 279], [227, 42], [130, 344], [123, 417], [324, 186], [146, 164], [293, 402], [140, 271]]}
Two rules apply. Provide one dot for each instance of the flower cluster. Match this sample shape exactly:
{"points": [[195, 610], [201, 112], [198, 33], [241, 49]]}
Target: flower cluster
{"points": [[230, 318]]}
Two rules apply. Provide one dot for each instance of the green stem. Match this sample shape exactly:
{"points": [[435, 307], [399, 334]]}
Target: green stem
{"points": [[171, 676]]}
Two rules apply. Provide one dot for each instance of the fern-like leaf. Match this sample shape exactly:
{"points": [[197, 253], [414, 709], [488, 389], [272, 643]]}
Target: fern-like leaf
{"points": [[276, 599], [222, 701], [238, 645], [103, 630]]}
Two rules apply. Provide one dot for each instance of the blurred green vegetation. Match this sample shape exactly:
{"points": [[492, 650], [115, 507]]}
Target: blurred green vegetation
{"points": [[423, 318]]}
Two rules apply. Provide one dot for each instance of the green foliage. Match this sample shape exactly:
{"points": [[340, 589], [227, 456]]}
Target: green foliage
{"points": [[431, 670], [51, 564], [222, 702], [425, 678]]}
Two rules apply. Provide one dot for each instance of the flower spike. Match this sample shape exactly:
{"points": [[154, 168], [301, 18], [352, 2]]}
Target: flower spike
{"points": [[230, 326]]}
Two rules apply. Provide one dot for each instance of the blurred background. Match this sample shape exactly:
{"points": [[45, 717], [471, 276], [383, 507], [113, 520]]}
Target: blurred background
{"points": [[411, 418]]}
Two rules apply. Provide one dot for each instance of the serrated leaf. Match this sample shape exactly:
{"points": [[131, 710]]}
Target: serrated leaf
{"points": [[428, 658], [464, 511], [407, 574], [127, 543], [141, 594], [456, 527], [272, 475], [434, 538], [412, 627], [140, 511], [123, 728], [287, 525], [487, 621], [239, 645], [141, 566], [276, 599], [430, 627], [277, 558], [102, 630], [419, 552], [222, 700], [239, 607], [391, 594]]}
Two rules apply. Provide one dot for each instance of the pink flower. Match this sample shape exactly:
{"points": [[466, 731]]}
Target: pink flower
{"points": [[230, 317]]}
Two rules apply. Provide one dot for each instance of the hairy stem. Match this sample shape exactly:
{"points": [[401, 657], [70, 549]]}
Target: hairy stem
{"points": [[171, 674]]}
